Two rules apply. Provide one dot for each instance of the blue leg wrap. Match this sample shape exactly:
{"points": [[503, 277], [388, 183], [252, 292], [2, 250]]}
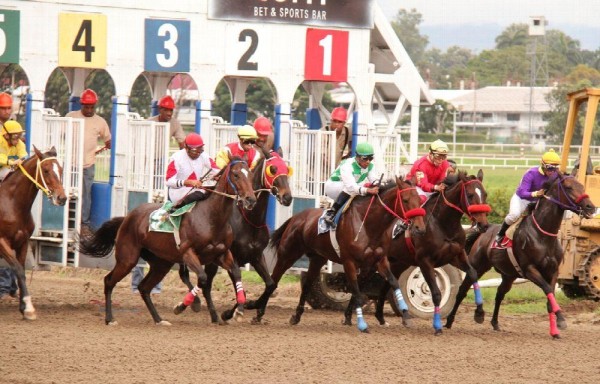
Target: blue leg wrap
{"points": [[400, 299], [360, 321], [478, 296], [437, 320]]}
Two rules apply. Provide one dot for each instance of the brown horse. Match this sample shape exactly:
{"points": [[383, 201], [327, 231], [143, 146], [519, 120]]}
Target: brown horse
{"points": [[537, 252], [251, 234], [204, 233], [444, 239], [358, 234], [17, 193]]}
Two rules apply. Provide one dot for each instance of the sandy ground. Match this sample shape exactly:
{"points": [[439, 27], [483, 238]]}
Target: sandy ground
{"points": [[69, 343]]}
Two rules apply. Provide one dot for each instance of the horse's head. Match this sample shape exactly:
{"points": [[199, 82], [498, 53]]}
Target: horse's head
{"points": [[239, 182], [275, 178], [569, 193], [48, 176], [408, 205], [472, 198]]}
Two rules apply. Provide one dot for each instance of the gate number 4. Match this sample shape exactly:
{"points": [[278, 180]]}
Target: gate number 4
{"points": [[87, 47]]}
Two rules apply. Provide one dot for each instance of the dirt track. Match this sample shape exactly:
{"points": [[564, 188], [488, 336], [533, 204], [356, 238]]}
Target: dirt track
{"points": [[69, 343]]}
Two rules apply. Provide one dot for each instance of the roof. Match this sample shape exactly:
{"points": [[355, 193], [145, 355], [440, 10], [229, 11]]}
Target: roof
{"points": [[500, 99]]}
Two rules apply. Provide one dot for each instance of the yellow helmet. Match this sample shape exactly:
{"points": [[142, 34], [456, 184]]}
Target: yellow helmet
{"points": [[438, 146], [551, 157], [12, 126], [247, 132]]}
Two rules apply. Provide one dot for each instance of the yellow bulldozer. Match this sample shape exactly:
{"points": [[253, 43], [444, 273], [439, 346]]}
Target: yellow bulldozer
{"points": [[579, 274]]}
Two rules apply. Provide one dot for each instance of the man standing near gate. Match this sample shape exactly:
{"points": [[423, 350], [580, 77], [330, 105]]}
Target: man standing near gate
{"points": [[94, 127]]}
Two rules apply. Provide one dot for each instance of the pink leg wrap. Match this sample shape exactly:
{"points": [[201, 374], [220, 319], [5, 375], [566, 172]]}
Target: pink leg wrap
{"points": [[188, 299], [553, 303], [553, 328], [240, 296]]}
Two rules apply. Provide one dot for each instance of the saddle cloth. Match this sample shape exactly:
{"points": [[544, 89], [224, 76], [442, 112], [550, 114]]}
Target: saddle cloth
{"points": [[161, 221]]}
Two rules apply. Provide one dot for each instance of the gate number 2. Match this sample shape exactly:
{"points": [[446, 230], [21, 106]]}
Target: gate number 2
{"points": [[244, 64]]}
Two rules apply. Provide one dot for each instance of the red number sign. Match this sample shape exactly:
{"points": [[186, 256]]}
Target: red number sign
{"points": [[326, 56]]}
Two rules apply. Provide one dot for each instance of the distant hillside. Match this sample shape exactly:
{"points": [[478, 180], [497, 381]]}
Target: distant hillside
{"points": [[478, 37]]}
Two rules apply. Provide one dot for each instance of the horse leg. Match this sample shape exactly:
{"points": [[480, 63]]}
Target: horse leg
{"points": [[314, 270], [260, 266], [384, 270], [436, 295], [462, 293], [352, 281], [16, 263], [126, 257], [348, 312], [237, 311], [471, 272], [158, 270], [502, 290], [533, 274], [191, 259], [184, 275]]}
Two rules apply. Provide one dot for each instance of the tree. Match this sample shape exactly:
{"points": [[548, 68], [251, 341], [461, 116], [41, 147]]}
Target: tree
{"points": [[513, 36], [406, 27]]}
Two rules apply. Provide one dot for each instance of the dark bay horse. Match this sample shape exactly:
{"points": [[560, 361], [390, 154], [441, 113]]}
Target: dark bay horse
{"points": [[250, 231], [537, 252], [358, 234], [443, 241], [204, 233], [17, 193]]}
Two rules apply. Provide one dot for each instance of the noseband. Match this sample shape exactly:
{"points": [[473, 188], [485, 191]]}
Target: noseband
{"points": [[406, 215], [572, 205], [470, 208], [38, 173]]}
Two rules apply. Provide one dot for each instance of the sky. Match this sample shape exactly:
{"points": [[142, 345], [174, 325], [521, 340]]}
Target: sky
{"points": [[475, 24]]}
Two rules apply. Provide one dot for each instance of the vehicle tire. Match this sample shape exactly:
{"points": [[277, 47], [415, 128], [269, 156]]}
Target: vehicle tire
{"points": [[328, 292], [573, 291], [418, 296]]}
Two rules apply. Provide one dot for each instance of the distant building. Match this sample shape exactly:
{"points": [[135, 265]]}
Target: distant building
{"points": [[500, 112]]}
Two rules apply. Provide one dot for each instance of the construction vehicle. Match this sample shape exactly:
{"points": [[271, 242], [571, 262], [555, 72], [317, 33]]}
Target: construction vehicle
{"points": [[579, 274]]}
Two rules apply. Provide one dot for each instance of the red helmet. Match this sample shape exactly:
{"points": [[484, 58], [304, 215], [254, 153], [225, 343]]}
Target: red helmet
{"points": [[339, 114], [5, 100], [166, 102], [194, 140], [262, 125], [88, 97]]}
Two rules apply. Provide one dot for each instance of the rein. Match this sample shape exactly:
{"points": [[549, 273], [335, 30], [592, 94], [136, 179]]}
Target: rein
{"points": [[44, 188], [471, 208]]}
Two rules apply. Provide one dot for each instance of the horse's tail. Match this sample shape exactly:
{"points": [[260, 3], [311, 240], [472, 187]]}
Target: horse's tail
{"points": [[278, 234], [470, 240], [102, 241]]}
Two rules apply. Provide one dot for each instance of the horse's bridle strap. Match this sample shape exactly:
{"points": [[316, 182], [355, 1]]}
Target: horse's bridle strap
{"points": [[41, 187]]}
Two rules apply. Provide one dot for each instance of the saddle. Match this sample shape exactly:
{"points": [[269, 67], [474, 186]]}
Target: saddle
{"points": [[161, 221], [323, 227], [508, 237]]}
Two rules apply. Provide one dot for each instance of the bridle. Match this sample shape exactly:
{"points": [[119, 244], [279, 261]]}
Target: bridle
{"points": [[38, 173], [471, 209]]}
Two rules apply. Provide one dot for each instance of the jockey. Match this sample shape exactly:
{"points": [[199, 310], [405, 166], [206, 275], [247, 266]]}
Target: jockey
{"points": [[12, 148], [530, 189], [186, 171], [430, 169], [243, 148], [354, 176]]}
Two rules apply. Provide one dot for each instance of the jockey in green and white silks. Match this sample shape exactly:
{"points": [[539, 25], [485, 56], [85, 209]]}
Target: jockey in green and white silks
{"points": [[354, 176]]}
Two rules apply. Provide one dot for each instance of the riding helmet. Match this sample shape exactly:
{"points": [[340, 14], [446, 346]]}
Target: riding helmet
{"points": [[12, 127], [247, 132], [364, 149], [194, 140], [551, 157], [438, 146]]}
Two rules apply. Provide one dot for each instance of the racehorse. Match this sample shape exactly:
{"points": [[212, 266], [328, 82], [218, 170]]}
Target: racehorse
{"points": [[17, 193], [537, 252], [251, 234], [358, 236], [443, 241], [205, 237]]}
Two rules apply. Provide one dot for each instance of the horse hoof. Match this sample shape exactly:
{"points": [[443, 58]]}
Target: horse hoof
{"points": [[385, 324], [196, 306], [294, 320], [556, 337], [179, 308], [346, 322], [29, 315], [438, 332], [238, 316], [112, 323], [164, 323], [562, 325], [479, 319], [366, 330]]}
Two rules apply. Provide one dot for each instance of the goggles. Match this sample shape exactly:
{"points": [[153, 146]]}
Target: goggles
{"points": [[440, 156], [366, 157], [551, 167], [249, 141], [198, 149]]}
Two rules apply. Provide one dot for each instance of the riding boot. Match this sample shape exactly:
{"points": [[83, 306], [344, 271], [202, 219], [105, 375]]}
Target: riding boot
{"points": [[190, 198], [502, 232], [339, 202]]}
